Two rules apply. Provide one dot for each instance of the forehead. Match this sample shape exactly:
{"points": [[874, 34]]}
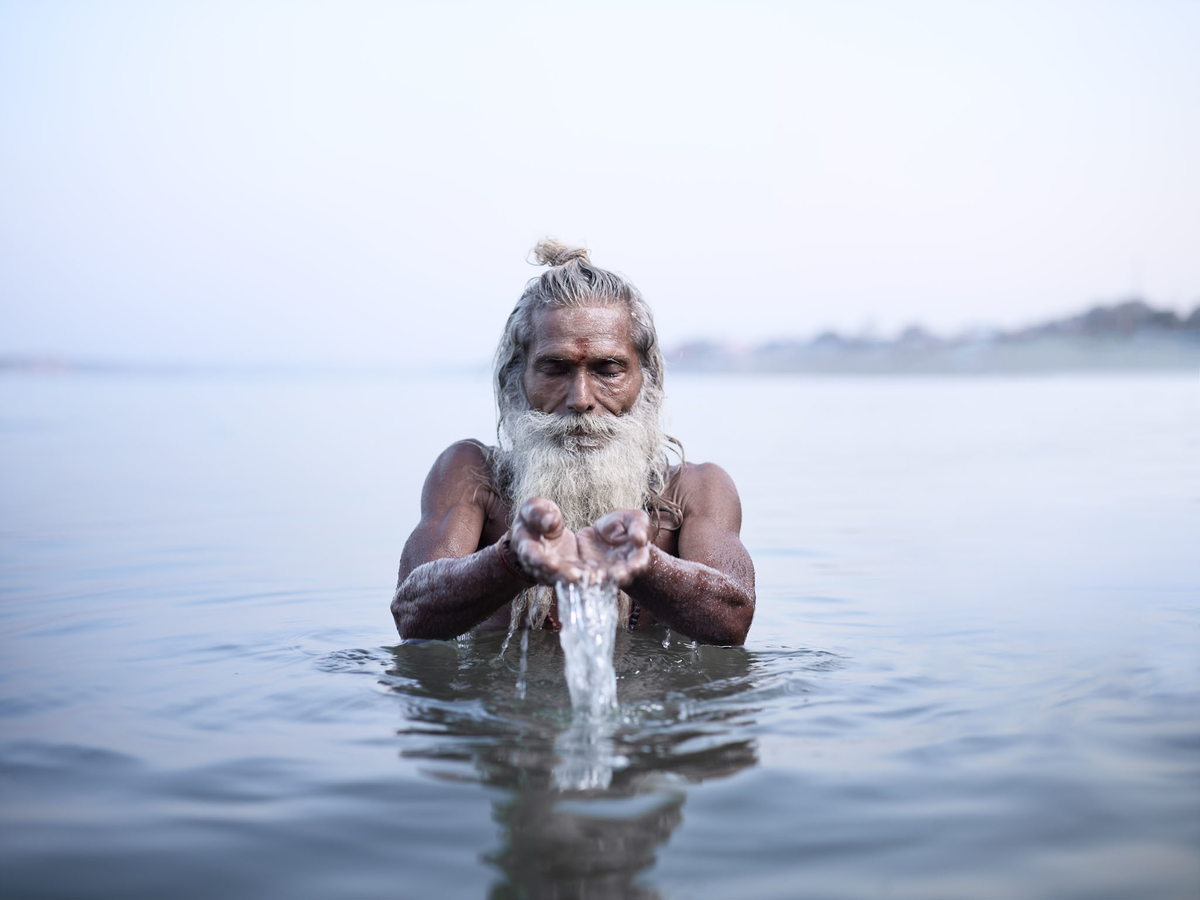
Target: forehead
{"points": [[580, 331]]}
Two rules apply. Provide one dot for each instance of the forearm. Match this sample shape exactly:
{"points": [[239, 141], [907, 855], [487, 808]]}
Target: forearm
{"points": [[447, 597], [697, 600]]}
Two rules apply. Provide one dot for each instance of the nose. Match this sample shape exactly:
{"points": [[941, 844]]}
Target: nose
{"points": [[579, 395]]}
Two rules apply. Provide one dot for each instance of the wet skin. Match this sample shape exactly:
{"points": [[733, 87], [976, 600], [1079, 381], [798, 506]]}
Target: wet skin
{"points": [[463, 563], [582, 362]]}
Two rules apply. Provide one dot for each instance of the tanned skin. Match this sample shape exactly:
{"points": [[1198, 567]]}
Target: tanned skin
{"points": [[464, 563]]}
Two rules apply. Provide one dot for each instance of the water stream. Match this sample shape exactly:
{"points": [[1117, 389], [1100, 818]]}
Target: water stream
{"points": [[589, 626], [586, 757]]}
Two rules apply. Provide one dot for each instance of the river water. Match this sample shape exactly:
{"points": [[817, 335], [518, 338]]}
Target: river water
{"points": [[974, 669]]}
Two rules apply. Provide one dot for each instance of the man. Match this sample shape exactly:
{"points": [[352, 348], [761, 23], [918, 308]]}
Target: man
{"points": [[580, 487]]}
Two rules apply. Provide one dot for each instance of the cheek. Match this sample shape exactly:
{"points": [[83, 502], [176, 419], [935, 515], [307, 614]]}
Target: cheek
{"points": [[532, 384], [637, 383], [539, 392], [629, 391]]}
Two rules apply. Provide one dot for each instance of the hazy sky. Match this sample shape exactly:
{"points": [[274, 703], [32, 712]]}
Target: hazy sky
{"points": [[361, 182]]}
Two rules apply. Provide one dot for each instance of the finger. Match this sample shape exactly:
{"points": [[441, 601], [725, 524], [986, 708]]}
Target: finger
{"points": [[611, 528], [630, 566], [615, 517], [542, 517], [624, 525], [637, 527]]}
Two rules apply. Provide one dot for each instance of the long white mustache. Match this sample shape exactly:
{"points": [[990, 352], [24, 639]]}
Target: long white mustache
{"points": [[587, 464]]}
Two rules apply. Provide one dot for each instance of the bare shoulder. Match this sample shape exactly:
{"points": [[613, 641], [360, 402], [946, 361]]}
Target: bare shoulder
{"points": [[466, 457], [712, 522], [705, 474], [460, 474], [707, 489], [455, 503]]}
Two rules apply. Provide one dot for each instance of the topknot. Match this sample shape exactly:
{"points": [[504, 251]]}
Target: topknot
{"points": [[571, 281], [553, 252]]}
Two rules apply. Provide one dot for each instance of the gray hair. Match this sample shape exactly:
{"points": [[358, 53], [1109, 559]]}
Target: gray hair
{"points": [[571, 281]]}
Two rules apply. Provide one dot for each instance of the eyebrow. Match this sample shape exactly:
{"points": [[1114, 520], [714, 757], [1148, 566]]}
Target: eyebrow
{"points": [[551, 356]]}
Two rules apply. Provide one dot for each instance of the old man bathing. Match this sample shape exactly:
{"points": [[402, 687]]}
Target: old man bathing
{"points": [[580, 486]]}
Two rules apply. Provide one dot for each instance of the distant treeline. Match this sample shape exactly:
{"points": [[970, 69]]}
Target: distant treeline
{"points": [[1130, 335]]}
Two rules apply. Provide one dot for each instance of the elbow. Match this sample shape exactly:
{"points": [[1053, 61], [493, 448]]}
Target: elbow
{"points": [[737, 636], [412, 623], [402, 616], [724, 637], [739, 623], [729, 630], [734, 636], [397, 615]]}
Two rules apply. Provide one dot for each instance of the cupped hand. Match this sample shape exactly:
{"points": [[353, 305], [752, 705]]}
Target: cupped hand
{"points": [[617, 546], [546, 549]]}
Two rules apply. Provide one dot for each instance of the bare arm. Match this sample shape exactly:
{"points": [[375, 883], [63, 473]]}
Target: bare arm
{"points": [[700, 601], [446, 584], [707, 592]]}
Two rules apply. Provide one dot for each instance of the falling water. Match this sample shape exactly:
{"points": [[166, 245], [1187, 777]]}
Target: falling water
{"points": [[588, 613], [524, 666], [512, 629]]}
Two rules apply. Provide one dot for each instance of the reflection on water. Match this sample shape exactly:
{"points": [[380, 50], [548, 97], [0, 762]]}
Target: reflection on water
{"points": [[972, 671], [583, 803]]}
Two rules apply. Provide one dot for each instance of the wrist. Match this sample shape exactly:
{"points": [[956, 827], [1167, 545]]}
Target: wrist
{"points": [[510, 560], [644, 574]]}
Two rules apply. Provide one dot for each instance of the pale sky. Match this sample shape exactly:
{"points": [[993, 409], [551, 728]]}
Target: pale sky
{"points": [[360, 182]]}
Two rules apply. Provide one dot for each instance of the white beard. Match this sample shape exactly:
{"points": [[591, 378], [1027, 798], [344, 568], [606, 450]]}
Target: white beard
{"points": [[587, 464]]}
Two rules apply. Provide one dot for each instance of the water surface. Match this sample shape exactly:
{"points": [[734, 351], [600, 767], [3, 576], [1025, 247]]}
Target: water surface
{"points": [[974, 670]]}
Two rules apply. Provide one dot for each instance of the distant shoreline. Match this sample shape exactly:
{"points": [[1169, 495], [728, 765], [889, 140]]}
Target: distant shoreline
{"points": [[1130, 336]]}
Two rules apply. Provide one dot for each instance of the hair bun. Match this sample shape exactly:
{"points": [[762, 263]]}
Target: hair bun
{"points": [[553, 252]]}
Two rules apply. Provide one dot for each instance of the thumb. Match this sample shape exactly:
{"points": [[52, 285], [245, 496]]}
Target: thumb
{"points": [[542, 517]]}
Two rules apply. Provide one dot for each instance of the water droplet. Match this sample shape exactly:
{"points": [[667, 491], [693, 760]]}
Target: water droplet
{"points": [[524, 664]]}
